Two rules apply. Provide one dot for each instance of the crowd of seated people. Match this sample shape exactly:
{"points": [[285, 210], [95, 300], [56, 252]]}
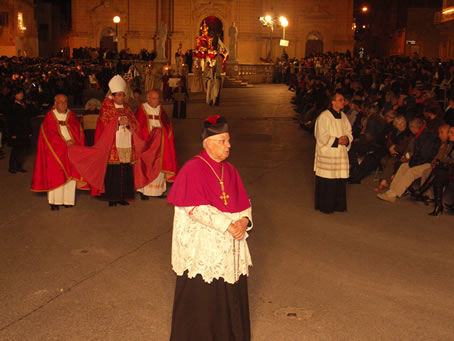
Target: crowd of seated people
{"points": [[402, 115]]}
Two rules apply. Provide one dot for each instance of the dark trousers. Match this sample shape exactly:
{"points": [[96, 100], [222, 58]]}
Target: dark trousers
{"points": [[330, 195], [119, 182], [18, 152]]}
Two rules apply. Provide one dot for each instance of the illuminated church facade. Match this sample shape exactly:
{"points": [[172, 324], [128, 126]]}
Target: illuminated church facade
{"points": [[313, 25]]}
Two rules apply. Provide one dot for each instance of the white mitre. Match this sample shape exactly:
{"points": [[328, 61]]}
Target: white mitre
{"points": [[117, 84]]}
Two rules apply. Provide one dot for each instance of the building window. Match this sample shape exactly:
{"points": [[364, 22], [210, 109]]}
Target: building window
{"points": [[20, 22], [43, 32], [3, 18]]}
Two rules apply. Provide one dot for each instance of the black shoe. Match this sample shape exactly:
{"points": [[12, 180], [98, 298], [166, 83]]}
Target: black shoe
{"points": [[68, 206], [123, 203], [54, 207], [144, 197], [12, 171], [22, 170], [437, 211], [162, 196], [112, 203]]}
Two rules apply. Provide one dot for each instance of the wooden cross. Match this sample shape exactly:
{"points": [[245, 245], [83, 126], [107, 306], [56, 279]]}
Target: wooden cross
{"points": [[224, 196]]}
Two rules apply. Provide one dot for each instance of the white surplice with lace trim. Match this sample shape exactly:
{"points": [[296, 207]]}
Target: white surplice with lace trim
{"points": [[202, 245]]}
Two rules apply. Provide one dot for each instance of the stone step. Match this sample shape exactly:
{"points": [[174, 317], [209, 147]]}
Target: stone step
{"points": [[231, 82]]}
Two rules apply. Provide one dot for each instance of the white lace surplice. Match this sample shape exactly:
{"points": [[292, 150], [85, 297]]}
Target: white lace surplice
{"points": [[202, 245]]}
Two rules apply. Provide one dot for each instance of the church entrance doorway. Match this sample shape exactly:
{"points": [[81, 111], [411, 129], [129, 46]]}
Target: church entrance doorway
{"points": [[314, 44], [107, 39], [215, 29]]}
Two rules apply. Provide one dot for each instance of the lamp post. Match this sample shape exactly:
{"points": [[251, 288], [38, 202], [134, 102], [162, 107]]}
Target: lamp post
{"points": [[116, 20], [284, 24], [269, 22]]}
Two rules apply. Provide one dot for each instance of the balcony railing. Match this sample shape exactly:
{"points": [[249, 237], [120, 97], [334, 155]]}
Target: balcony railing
{"points": [[445, 15]]}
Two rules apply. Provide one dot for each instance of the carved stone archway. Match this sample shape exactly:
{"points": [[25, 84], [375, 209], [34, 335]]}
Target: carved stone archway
{"points": [[215, 28], [106, 38], [314, 43]]}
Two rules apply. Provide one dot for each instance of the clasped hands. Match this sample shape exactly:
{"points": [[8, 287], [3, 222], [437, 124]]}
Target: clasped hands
{"points": [[238, 228], [123, 120], [343, 140]]}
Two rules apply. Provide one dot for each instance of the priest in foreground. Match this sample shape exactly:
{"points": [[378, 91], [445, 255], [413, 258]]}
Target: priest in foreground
{"points": [[53, 172], [152, 116], [210, 254]]}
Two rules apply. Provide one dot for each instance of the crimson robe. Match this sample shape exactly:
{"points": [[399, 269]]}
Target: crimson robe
{"points": [[92, 162], [168, 160], [52, 166]]}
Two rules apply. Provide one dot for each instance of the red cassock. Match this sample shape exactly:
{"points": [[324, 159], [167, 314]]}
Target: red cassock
{"points": [[52, 166], [168, 161], [91, 162]]}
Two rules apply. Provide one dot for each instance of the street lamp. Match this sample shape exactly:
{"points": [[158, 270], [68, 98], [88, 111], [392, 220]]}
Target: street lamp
{"points": [[116, 20], [365, 9], [267, 21], [284, 24]]}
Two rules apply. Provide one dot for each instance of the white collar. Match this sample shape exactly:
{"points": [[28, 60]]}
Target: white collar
{"points": [[150, 110]]}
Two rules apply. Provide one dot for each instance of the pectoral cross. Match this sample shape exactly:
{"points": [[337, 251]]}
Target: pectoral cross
{"points": [[224, 196]]}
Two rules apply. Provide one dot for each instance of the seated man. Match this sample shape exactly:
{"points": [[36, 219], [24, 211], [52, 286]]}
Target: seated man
{"points": [[425, 149]]}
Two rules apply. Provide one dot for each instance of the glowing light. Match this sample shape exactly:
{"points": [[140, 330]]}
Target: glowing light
{"points": [[20, 21], [116, 19], [365, 9], [284, 21], [448, 11], [364, 26], [268, 18]]}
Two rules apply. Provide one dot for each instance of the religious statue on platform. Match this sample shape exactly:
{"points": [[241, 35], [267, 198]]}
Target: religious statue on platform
{"points": [[162, 37], [233, 33], [179, 59]]}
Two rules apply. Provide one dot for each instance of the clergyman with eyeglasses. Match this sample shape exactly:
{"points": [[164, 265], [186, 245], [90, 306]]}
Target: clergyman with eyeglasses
{"points": [[210, 254]]}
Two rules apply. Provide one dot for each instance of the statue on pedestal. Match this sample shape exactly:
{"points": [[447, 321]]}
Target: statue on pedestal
{"points": [[233, 34], [162, 38]]}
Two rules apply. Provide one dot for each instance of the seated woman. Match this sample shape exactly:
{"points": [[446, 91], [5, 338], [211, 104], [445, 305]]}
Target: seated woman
{"points": [[443, 175], [397, 145], [424, 192]]}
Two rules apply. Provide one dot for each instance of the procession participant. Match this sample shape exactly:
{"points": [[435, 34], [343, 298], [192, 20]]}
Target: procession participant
{"points": [[210, 254], [119, 162], [151, 116], [333, 134], [53, 171], [19, 131], [180, 96]]}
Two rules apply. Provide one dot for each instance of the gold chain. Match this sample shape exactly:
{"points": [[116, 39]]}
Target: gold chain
{"points": [[224, 195]]}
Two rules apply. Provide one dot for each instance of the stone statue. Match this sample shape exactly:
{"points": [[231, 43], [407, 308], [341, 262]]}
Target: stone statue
{"points": [[233, 34], [162, 37]]}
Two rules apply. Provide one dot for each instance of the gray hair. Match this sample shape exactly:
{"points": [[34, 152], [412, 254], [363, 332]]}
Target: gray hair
{"points": [[399, 119]]}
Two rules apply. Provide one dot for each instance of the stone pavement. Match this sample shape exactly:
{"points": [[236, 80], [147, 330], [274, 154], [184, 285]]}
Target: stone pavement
{"points": [[378, 272]]}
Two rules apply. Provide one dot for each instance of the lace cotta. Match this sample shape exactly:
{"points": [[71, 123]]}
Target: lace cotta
{"points": [[202, 245]]}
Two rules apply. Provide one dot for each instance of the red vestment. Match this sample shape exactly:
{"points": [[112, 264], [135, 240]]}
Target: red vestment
{"points": [[52, 166], [168, 160], [92, 162]]}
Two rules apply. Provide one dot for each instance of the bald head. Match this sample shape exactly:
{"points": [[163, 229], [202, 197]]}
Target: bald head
{"points": [[153, 98], [61, 103]]}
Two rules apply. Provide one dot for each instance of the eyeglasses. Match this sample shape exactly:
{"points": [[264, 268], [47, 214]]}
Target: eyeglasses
{"points": [[220, 141]]}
